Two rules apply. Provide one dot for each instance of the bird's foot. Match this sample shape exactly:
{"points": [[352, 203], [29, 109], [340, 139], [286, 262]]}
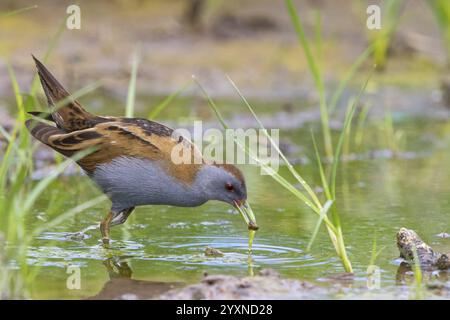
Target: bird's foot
{"points": [[105, 242], [80, 235]]}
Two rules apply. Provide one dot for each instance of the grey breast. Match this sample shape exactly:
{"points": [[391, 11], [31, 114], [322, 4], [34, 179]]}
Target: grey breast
{"points": [[131, 182]]}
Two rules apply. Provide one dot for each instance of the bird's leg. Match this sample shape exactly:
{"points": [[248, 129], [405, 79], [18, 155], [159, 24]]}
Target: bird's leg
{"points": [[104, 227], [113, 218], [121, 217]]}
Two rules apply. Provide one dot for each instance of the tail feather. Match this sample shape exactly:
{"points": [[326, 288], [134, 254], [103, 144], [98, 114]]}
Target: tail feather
{"points": [[71, 115], [42, 114], [42, 131]]}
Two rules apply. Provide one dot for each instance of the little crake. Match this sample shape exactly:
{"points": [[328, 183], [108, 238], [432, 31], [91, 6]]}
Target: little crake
{"points": [[130, 158]]}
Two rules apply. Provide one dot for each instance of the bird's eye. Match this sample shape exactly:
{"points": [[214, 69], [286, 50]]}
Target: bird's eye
{"points": [[229, 187]]}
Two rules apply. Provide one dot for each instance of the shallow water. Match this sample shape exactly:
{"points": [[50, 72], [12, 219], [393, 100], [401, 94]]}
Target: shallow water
{"points": [[377, 194]]}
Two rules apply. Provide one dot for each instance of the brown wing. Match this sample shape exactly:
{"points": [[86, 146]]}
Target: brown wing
{"points": [[123, 137]]}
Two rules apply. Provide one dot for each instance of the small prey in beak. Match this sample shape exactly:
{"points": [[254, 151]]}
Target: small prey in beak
{"points": [[247, 213]]}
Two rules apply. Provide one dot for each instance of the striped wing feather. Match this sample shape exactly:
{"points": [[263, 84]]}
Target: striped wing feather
{"points": [[124, 137]]}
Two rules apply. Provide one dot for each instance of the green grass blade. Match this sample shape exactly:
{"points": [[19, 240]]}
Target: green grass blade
{"points": [[304, 42], [346, 147], [383, 37], [73, 96], [11, 141], [441, 10], [359, 134], [250, 153], [163, 104], [335, 232], [340, 248], [290, 167], [211, 103], [18, 11], [61, 218], [274, 175], [323, 214], [348, 76], [375, 253], [315, 71], [418, 277], [323, 177], [43, 184], [318, 35], [16, 91], [337, 155], [131, 97]]}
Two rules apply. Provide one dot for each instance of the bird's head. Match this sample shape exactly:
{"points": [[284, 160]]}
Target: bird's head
{"points": [[226, 183]]}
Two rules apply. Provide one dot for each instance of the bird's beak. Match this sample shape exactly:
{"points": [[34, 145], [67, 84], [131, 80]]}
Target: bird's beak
{"points": [[247, 213]]}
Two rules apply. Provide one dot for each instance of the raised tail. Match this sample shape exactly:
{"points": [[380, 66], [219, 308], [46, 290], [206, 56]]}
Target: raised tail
{"points": [[43, 132], [65, 143], [68, 115]]}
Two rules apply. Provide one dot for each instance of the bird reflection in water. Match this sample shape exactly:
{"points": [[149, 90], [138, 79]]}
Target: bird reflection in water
{"points": [[121, 285]]}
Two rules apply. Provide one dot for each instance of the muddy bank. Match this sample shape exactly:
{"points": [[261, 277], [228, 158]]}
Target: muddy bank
{"points": [[267, 285]]}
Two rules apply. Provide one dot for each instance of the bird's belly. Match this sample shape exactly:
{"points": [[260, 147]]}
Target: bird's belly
{"points": [[131, 182]]}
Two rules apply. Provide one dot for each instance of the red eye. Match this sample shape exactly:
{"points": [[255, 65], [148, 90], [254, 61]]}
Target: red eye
{"points": [[229, 187]]}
